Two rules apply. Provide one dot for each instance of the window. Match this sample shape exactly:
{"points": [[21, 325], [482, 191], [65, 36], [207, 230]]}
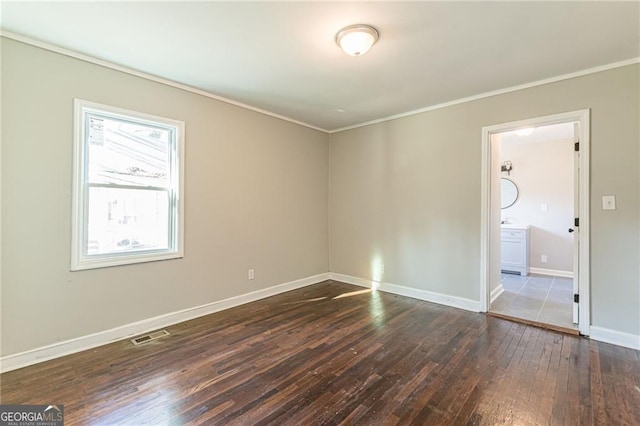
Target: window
{"points": [[127, 195]]}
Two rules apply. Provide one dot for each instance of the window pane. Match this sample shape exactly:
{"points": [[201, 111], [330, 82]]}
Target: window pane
{"points": [[126, 220], [127, 153]]}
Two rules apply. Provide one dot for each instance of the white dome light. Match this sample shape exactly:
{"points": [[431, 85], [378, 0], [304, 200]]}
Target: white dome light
{"points": [[526, 131], [356, 40]]}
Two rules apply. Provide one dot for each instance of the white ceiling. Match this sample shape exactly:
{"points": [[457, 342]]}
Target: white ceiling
{"points": [[282, 57], [547, 133]]}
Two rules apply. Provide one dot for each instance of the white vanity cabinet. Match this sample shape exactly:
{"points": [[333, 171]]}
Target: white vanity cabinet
{"points": [[515, 248]]}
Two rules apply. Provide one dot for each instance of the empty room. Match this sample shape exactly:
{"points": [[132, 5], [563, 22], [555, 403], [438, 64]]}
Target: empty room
{"points": [[300, 213]]}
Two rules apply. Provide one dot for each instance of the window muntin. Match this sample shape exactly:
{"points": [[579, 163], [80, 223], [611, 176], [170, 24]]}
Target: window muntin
{"points": [[127, 203]]}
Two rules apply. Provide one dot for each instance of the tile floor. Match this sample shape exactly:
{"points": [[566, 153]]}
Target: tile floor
{"points": [[540, 298]]}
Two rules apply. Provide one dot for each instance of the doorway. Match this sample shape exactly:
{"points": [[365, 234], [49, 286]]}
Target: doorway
{"points": [[535, 239]]}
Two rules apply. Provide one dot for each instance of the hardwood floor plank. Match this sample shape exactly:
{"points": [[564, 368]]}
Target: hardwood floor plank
{"points": [[333, 354], [598, 411]]}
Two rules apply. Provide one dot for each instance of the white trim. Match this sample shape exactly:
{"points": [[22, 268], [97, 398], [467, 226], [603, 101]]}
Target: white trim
{"points": [[485, 222], [496, 292], [157, 79], [583, 117], [584, 271], [553, 272], [614, 337], [349, 279], [562, 77], [56, 350], [429, 296], [1, 221]]}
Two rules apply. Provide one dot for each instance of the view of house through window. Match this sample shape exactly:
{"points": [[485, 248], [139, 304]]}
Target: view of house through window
{"points": [[127, 197]]}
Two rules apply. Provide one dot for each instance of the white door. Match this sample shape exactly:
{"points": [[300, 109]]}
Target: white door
{"points": [[576, 228]]}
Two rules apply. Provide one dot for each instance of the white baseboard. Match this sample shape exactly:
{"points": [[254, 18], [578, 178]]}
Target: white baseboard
{"points": [[496, 292], [555, 272], [429, 296], [614, 337], [56, 350]]}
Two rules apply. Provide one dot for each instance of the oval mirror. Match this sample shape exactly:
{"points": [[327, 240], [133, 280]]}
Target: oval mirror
{"points": [[509, 192]]}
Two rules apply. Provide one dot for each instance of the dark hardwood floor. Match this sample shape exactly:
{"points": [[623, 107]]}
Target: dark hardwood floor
{"points": [[333, 353]]}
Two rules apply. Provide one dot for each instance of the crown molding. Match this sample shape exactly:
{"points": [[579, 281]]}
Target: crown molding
{"points": [[161, 80], [494, 93]]}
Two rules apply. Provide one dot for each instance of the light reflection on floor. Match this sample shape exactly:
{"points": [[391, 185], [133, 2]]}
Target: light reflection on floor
{"points": [[145, 405], [376, 309], [376, 305], [353, 293], [317, 299]]}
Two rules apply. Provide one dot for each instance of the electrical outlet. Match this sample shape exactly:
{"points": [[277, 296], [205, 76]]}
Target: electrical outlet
{"points": [[382, 269], [250, 274], [544, 207], [609, 202], [543, 258]]}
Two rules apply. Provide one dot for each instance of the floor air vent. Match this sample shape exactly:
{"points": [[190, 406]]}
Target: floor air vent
{"points": [[149, 337]]}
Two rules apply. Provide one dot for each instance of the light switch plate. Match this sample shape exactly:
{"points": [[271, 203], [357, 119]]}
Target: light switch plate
{"points": [[609, 202], [544, 207]]}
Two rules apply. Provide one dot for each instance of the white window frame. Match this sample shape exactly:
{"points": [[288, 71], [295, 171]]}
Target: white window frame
{"points": [[80, 260]]}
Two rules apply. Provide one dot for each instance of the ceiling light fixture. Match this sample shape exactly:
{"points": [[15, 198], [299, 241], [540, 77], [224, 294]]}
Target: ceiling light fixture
{"points": [[356, 40], [526, 131]]}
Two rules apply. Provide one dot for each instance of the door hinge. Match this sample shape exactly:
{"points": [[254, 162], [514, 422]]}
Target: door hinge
{"points": [[576, 221], [576, 146], [576, 298]]}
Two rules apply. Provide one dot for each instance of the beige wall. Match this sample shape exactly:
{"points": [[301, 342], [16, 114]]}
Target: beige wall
{"points": [[405, 193], [256, 197], [408, 191], [543, 172]]}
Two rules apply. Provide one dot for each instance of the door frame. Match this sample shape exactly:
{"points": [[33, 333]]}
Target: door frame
{"points": [[487, 228]]}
